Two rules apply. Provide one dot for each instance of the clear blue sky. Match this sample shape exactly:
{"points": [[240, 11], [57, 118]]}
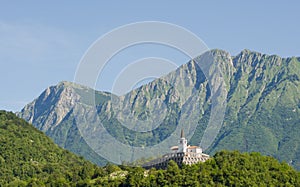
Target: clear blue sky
{"points": [[41, 43]]}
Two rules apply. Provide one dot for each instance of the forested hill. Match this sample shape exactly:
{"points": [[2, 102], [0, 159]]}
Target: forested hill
{"points": [[29, 157]]}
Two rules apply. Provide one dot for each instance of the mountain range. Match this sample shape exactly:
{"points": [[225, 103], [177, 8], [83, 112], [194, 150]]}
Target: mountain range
{"points": [[248, 102]]}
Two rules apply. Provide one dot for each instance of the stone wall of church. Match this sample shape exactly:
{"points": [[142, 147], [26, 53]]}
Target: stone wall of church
{"points": [[179, 158]]}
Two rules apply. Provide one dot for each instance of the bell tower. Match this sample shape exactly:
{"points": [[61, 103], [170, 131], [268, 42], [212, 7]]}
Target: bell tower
{"points": [[182, 143]]}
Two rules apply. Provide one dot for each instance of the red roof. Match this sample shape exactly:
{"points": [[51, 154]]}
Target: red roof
{"points": [[193, 147]]}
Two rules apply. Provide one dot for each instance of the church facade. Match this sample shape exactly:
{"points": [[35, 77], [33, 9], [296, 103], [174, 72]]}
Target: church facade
{"points": [[181, 154]]}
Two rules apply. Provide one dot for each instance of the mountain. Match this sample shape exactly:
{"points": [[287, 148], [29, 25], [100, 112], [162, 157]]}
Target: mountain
{"points": [[52, 113], [257, 93], [29, 158]]}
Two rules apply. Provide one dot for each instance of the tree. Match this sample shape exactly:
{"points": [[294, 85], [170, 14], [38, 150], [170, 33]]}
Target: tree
{"points": [[173, 174]]}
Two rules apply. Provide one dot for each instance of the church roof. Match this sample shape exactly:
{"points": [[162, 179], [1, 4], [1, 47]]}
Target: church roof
{"points": [[193, 147], [174, 147], [182, 134]]}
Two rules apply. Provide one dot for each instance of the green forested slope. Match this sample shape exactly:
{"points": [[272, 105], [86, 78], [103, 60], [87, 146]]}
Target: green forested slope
{"points": [[29, 157]]}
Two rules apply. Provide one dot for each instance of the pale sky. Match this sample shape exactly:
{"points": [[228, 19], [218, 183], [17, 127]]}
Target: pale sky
{"points": [[41, 43]]}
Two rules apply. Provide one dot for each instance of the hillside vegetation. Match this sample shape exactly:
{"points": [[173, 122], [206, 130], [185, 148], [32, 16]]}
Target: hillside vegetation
{"points": [[29, 157], [224, 169]]}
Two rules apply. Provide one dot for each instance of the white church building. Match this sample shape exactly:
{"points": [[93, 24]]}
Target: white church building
{"points": [[181, 154]]}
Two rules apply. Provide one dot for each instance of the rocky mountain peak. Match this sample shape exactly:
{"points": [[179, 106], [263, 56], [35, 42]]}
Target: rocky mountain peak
{"points": [[55, 103]]}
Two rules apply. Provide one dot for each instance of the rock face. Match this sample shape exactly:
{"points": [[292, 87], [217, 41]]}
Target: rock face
{"points": [[260, 94], [51, 107], [52, 113]]}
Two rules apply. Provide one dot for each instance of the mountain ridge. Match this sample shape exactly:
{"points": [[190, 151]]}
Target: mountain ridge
{"points": [[260, 88]]}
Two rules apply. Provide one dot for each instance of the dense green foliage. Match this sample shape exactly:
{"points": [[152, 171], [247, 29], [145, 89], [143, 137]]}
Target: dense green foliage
{"points": [[29, 157], [224, 169]]}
